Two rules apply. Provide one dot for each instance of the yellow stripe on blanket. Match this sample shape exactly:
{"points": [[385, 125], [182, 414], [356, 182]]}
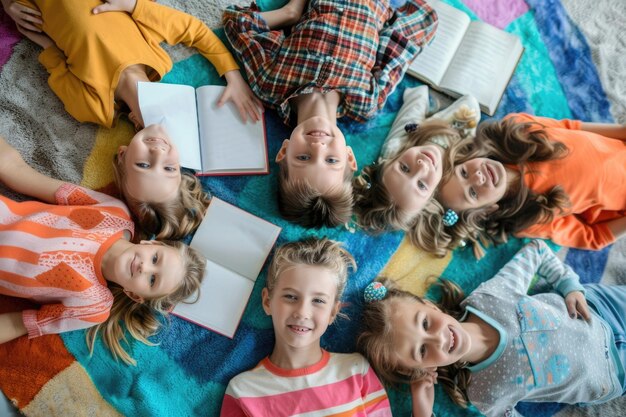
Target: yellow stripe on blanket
{"points": [[411, 267], [98, 169], [70, 393]]}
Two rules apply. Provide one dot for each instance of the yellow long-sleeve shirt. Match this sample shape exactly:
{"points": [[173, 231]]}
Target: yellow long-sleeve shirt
{"points": [[91, 51]]}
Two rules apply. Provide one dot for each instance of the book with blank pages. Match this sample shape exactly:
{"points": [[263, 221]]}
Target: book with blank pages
{"points": [[468, 57], [236, 244], [211, 140]]}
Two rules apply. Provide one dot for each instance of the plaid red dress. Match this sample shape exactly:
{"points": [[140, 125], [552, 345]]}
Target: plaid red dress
{"points": [[360, 48]]}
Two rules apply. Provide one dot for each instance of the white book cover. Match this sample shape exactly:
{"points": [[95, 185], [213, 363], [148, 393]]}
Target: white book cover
{"points": [[210, 139], [236, 245]]}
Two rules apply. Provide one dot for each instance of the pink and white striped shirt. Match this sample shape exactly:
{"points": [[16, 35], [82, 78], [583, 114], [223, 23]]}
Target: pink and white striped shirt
{"points": [[52, 254], [339, 384]]}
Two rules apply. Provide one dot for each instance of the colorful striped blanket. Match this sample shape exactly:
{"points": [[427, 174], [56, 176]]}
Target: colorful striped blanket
{"points": [[570, 69]]}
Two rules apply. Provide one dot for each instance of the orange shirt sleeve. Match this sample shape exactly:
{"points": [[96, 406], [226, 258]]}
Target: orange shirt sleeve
{"points": [[186, 29]]}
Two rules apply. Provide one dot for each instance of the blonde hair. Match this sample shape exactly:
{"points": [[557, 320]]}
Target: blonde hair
{"points": [[172, 219], [299, 202], [377, 212], [375, 341], [324, 253], [142, 320]]}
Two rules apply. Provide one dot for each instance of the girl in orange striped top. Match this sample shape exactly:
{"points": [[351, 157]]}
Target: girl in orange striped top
{"points": [[71, 253]]}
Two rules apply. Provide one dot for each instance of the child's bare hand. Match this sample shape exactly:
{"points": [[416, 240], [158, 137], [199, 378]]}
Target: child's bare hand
{"points": [[115, 6], [40, 38], [423, 394], [577, 305], [23, 16], [239, 92]]}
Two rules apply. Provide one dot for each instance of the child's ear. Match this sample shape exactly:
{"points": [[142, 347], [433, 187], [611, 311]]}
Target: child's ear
{"points": [[282, 152], [351, 159], [136, 298], [121, 151], [265, 296]]}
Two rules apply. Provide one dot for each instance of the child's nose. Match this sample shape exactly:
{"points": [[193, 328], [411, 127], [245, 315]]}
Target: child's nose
{"points": [[479, 178], [301, 311]]}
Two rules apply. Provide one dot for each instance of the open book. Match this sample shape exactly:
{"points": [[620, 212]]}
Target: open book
{"points": [[211, 140], [236, 245], [468, 57]]}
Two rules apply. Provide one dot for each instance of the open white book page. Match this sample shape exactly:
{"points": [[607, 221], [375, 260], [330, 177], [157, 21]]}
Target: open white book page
{"points": [[431, 64], [235, 238], [223, 298], [228, 144], [174, 106], [236, 245], [483, 64]]}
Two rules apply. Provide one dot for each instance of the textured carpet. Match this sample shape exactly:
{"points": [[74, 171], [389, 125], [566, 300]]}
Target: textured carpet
{"points": [[573, 66]]}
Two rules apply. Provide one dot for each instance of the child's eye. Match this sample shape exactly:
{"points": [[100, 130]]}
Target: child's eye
{"points": [[425, 324], [404, 167], [332, 160], [319, 301], [152, 280], [422, 186], [143, 165], [463, 173], [155, 259], [303, 157], [171, 169], [423, 351], [473, 193], [289, 297]]}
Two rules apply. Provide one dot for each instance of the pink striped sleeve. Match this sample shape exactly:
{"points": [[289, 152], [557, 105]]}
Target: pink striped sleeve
{"points": [[231, 407], [374, 395]]}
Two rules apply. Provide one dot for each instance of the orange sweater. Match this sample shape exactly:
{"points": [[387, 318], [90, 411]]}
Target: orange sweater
{"points": [[593, 174], [92, 50], [52, 254]]}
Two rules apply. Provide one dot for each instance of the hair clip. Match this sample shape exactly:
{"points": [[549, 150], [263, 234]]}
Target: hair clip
{"points": [[411, 127], [375, 291], [450, 218]]}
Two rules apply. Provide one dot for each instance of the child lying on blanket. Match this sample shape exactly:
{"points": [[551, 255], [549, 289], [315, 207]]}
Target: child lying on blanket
{"points": [[165, 201], [500, 346], [305, 282], [539, 177], [396, 193], [95, 58], [334, 59], [71, 254]]}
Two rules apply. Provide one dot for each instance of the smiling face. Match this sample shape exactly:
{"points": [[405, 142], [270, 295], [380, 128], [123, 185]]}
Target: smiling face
{"points": [[147, 270], [425, 337], [317, 152], [413, 176], [151, 166], [302, 305], [477, 183]]}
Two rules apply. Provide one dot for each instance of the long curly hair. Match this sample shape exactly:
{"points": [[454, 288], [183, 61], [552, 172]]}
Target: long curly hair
{"points": [[143, 320], [376, 211], [375, 340], [173, 219], [516, 144]]}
